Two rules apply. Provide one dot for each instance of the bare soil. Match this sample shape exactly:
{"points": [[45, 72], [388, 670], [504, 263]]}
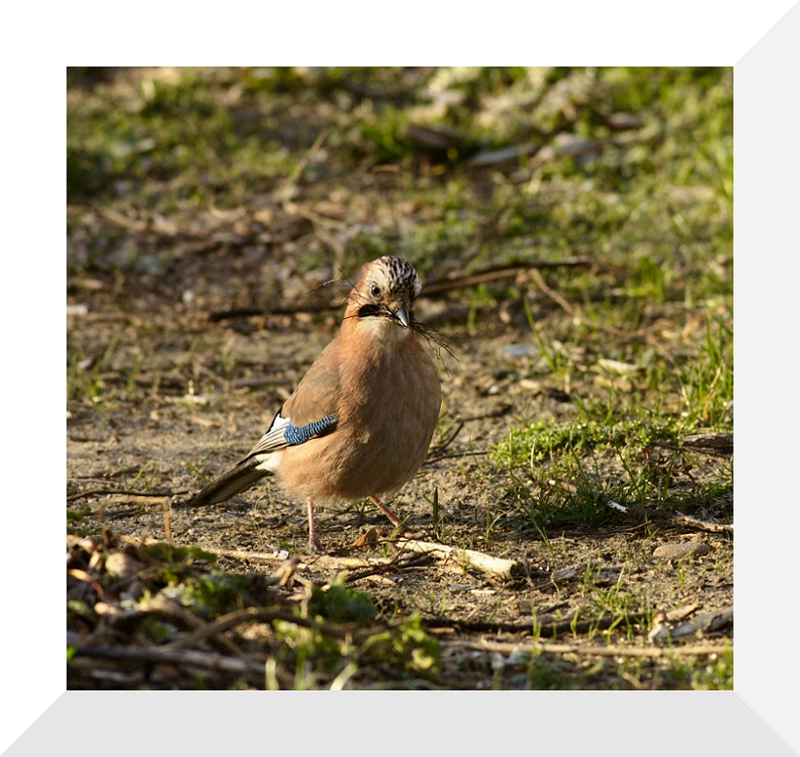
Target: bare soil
{"points": [[205, 209], [184, 390]]}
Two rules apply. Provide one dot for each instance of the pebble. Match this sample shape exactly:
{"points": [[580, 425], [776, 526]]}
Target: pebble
{"points": [[684, 549]]}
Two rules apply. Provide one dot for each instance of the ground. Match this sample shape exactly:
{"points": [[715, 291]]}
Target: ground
{"points": [[578, 443]]}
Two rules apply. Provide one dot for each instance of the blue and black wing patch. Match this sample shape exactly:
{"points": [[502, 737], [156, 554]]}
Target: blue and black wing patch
{"points": [[300, 434], [283, 434]]}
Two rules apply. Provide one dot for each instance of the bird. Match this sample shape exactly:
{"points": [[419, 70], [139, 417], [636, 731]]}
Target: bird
{"points": [[361, 419]]}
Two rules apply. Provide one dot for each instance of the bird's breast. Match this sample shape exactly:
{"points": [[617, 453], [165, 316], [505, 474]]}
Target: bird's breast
{"points": [[388, 408]]}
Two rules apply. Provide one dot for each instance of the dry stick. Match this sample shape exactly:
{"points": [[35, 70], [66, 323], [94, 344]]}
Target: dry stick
{"points": [[264, 615], [231, 620], [432, 288], [395, 564], [537, 276], [284, 192], [544, 625], [687, 520], [231, 553], [321, 561], [626, 335], [174, 654], [718, 443], [711, 452], [268, 557], [437, 451], [484, 562], [213, 631], [196, 659], [127, 492], [208, 660], [363, 566], [167, 504], [172, 612], [656, 513], [121, 219], [706, 623], [702, 525], [455, 455], [226, 664], [495, 565], [597, 651], [716, 440], [223, 315], [487, 563], [323, 225]]}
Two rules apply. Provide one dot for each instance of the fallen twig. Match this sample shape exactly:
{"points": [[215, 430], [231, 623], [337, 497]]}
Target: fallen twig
{"points": [[432, 288], [628, 336], [590, 649], [570, 310], [436, 452], [680, 519], [546, 625], [702, 525], [709, 622], [655, 513], [125, 495], [394, 565], [208, 660], [170, 611], [436, 287], [284, 193], [253, 615], [488, 564]]}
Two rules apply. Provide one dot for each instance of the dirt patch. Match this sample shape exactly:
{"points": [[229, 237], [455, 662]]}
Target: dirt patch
{"points": [[193, 414], [578, 262]]}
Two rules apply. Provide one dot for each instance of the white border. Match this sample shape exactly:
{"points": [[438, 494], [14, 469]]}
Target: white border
{"points": [[680, 33], [766, 248]]}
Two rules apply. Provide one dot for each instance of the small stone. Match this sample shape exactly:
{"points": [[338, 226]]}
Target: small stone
{"points": [[678, 551]]}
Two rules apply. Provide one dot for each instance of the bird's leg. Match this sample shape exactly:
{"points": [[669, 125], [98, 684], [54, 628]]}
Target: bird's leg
{"points": [[388, 513], [313, 540]]}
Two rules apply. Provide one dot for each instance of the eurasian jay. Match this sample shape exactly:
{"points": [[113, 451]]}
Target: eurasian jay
{"points": [[360, 421]]}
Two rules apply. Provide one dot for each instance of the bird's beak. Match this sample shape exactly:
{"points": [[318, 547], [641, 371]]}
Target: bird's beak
{"points": [[402, 315]]}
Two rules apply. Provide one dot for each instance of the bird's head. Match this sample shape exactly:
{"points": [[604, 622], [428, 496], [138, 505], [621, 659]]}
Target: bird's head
{"points": [[385, 293]]}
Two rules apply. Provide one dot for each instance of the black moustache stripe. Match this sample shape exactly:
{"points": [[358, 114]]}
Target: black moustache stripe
{"points": [[366, 311]]}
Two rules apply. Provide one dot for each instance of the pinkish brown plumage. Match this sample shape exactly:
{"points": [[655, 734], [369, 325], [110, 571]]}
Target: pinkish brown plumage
{"points": [[360, 421]]}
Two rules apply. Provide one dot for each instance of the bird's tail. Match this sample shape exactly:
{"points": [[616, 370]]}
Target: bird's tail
{"points": [[231, 482]]}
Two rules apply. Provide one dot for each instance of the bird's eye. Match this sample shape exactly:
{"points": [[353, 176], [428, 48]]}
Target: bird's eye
{"points": [[375, 290]]}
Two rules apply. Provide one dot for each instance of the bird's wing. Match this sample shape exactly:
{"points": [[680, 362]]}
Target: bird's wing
{"points": [[319, 392], [311, 411], [283, 433]]}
